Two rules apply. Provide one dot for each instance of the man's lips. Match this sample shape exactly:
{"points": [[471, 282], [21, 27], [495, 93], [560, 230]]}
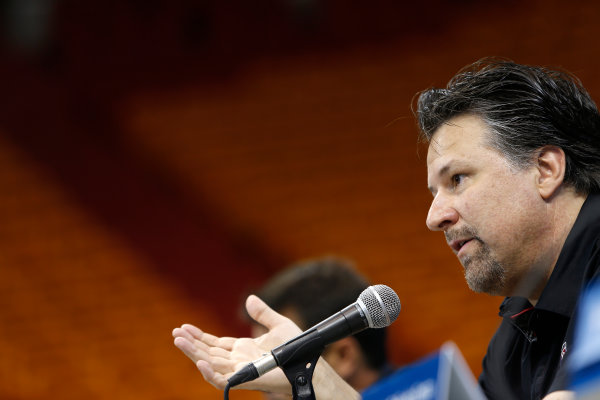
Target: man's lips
{"points": [[457, 244]]}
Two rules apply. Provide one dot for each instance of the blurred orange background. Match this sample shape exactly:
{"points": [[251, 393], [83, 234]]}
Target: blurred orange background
{"points": [[161, 159]]}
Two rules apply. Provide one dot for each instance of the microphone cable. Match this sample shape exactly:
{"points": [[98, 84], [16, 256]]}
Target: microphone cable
{"points": [[226, 391]]}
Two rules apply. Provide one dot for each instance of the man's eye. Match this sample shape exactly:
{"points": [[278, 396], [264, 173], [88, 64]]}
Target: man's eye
{"points": [[457, 179]]}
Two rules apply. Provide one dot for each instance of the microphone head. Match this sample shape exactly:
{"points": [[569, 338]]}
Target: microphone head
{"points": [[380, 304]]}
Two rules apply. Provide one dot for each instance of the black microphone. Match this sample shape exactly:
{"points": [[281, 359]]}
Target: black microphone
{"points": [[377, 307]]}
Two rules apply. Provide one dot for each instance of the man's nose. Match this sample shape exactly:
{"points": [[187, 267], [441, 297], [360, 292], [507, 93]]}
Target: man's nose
{"points": [[442, 214]]}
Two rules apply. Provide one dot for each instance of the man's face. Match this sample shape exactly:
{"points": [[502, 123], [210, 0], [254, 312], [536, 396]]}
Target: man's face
{"points": [[491, 214]]}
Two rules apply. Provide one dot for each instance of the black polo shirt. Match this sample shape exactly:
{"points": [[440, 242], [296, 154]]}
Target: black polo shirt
{"points": [[525, 357]]}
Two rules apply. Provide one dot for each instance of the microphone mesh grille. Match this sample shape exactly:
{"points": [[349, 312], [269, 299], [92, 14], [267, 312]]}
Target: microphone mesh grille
{"points": [[382, 304]]}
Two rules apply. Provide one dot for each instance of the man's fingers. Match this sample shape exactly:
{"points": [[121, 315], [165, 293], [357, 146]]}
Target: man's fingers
{"points": [[183, 344], [262, 313], [214, 341], [215, 379], [218, 352], [199, 351], [193, 331], [180, 332], [193, 352]]}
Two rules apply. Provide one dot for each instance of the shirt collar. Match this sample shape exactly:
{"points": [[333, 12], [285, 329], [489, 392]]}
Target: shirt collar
{"points": [[518, 311]]}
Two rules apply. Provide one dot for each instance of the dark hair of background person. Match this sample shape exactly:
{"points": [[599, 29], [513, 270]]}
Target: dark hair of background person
{"points": [[525, 108], [316, 289]]}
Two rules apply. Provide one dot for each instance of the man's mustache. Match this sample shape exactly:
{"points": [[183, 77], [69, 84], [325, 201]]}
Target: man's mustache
{"points": [[461, 233]]}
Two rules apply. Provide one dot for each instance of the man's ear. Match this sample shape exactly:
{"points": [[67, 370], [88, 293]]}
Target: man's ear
{"points": [[551, 164], [344, 357]]}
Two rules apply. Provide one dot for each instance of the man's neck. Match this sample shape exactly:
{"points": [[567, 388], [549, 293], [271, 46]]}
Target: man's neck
{"points": [[563, 212]]}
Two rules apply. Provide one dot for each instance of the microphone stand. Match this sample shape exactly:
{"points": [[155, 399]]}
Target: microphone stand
{"points": [[299, 372]]}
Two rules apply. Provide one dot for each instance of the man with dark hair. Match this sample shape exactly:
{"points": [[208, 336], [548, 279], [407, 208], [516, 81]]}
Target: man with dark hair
{"points": [[308, 292], [514, 170]]}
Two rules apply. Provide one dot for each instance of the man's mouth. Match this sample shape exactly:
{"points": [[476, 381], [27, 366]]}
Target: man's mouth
{"points": [[458, 244]]}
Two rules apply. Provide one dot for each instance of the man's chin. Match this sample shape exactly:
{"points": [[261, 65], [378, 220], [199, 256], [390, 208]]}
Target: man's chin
{"points": [[478, 287], [490, 283]]}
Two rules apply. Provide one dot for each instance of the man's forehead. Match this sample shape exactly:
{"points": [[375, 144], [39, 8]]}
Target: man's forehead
{"points": [[458, 134], [436, 149], [443, 143]]}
